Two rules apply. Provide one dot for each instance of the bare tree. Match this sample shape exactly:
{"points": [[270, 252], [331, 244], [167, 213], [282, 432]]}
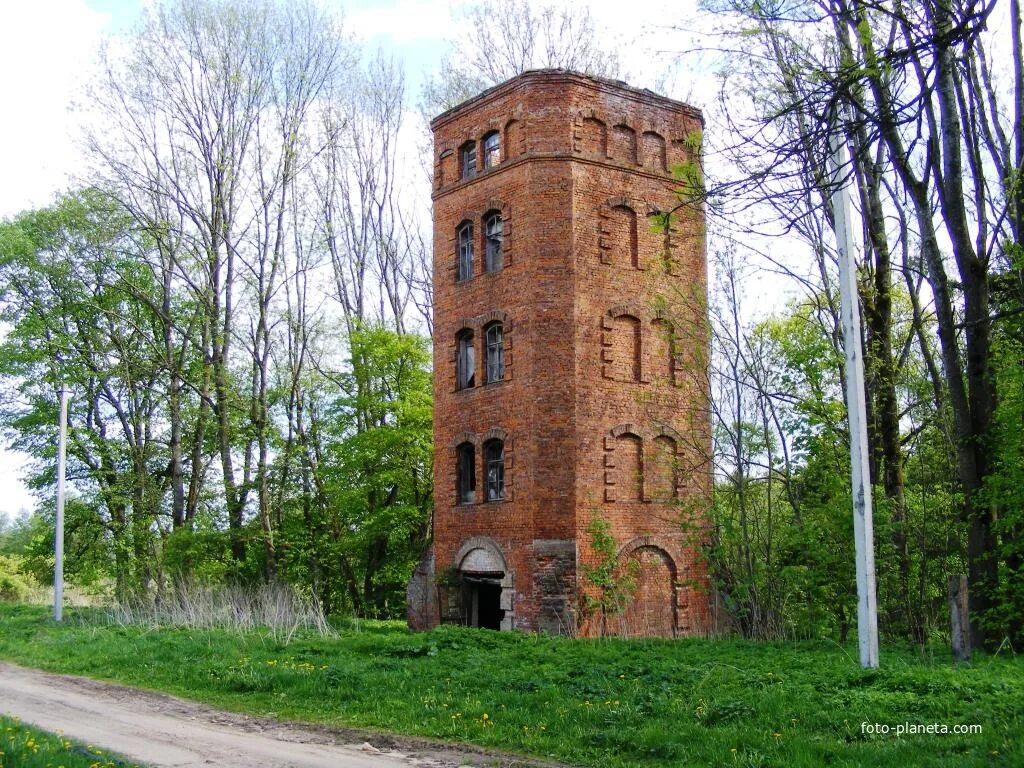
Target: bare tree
{"points": [[926, 128], [508, 38], [210, 106], [373, 239]]}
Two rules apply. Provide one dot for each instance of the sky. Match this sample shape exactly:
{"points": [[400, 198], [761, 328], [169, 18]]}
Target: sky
{"points": [[48, 51]]}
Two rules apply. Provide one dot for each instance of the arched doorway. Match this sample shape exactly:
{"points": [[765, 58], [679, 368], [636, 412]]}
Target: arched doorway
{"points": [[651, 610], [485, 585]]}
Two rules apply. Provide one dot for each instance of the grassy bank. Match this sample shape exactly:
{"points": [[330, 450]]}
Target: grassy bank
{"points": [[593, 703], [22, 746]]}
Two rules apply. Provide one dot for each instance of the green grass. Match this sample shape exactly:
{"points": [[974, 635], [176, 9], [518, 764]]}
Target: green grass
{"points": [[22, 746], [593, 703]]}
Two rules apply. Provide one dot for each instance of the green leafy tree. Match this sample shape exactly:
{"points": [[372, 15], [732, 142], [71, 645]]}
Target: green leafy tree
{"points": [[367, 526], [71, 284], [782, 552], [1005, 486]]}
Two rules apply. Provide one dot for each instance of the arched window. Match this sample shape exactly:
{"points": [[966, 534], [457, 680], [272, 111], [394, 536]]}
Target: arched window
{"points": [[465, 246], [663, 350], [653, 151], [494, 353], [444, 172], [623, 141], [465, 473], [465, 360], [492, 149], [513, 138], [664, 470], [494, 466], [626, 348], [494, 233], [594, 138], [467, 160], [629, 473], [624, 236]]}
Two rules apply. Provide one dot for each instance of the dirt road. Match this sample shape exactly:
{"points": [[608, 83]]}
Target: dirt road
{"points": [[162, 731]]}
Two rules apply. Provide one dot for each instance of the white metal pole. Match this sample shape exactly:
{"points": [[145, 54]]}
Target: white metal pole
{"points": [[863, 527], [58, 555]]}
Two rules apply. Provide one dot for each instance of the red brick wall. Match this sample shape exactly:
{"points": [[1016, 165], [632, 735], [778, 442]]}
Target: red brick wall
{"points": [[583, 165]]}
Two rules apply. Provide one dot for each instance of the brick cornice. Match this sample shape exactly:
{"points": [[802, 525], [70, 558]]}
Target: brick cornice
{"points": [[562, 76]]}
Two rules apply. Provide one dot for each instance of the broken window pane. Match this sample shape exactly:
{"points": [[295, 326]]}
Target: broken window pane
{"points": [[465, 239], [494, 351], [465, 474], [467, 156], [492, 149], [465, 360], [494, 234], [494, 458]]}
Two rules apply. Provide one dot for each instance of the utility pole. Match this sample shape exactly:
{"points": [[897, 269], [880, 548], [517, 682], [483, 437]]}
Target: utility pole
{"points": [[863, 526], [58, 554]]}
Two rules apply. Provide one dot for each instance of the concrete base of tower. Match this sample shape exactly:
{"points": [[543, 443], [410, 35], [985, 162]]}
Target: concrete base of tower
{"points": [[421, 605], [554, 599]]}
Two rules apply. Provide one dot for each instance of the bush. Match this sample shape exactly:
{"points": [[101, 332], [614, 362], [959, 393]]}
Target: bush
{"points": [[13, 587]]}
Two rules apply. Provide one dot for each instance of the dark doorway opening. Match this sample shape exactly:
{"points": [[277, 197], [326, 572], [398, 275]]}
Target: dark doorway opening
{"points": [[489, 613], [483, 601]]}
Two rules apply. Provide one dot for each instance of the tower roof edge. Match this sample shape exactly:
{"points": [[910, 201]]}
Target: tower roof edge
{"points": [[536, 76]]}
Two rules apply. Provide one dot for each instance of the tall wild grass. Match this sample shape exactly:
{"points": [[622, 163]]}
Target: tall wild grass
{"points": [[273, 606]]}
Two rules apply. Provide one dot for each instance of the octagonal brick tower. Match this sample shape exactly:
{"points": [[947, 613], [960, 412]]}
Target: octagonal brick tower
{"points": [[570, 357]]}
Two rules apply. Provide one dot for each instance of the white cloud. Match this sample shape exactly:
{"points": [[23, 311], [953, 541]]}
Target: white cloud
{"points": [[403, 21], [46, 49]]}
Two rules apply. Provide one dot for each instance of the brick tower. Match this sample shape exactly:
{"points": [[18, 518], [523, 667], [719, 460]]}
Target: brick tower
{"points": [[570, 358]]}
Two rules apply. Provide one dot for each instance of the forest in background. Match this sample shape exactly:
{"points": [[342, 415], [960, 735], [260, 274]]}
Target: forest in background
{"points": [[239, 301]]}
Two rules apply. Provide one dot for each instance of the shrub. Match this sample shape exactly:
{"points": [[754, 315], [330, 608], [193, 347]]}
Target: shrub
{"points": [[13, 587]]}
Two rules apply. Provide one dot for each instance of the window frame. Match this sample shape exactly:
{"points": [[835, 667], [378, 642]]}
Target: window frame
{"points": [[467, 160], [465, 473], [464, 252], [494, 470], [494, 352], [491, 149], [494, 240], [465, 359]]}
